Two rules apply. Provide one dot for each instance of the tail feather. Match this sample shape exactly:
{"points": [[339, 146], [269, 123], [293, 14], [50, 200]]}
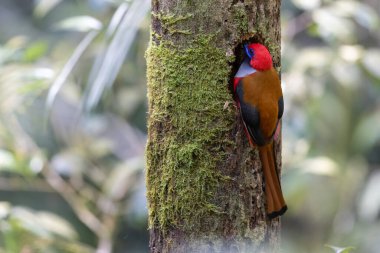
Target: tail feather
{"points": [[275, 201]]}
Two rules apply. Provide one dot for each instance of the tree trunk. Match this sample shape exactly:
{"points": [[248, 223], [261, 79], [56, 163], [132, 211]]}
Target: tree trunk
{"points": [[205, 184]]}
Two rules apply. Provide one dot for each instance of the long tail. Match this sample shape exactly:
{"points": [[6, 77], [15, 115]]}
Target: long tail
{"points": [[276, 205]]}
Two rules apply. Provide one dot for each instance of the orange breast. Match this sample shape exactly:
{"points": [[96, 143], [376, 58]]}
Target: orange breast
{"points": [[263, 90]]}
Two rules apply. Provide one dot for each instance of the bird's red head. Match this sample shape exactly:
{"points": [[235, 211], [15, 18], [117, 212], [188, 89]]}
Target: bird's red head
{"points": [[260, 58]]}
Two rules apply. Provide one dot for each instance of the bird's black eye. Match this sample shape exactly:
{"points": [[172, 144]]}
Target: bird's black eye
{"points": [[248, 51]]}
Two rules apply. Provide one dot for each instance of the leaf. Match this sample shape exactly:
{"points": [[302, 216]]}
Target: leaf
{"points": [[7, 160], [5, 54], [36, 80], [116, 19], [366, 16], [360, 12], [307, 5], [56, 225], [123, 178], [333, 27], [61, 78], [79, 24], [367, 133], [369, 205], [42, 223], [346, 73], [35, 51], [67, 163], [43, 7], [351, 53], [27, 219], [321, 165], [107, 66], [5, 209], [371, 60], [340, 250]]}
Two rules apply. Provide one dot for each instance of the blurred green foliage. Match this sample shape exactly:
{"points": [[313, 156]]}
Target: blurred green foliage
{"points": [[72, 126], [71, 177], [340, 250], [331, 148]]}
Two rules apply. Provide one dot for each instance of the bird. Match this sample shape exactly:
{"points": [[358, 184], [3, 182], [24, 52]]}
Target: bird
{"points": [[258, 93]]}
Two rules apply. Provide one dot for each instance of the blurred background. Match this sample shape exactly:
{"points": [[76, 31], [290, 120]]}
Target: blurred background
{"points": [[73, 125]]}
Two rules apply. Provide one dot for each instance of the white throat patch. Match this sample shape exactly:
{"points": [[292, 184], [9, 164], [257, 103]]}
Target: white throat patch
{"points": [[245, 69]]}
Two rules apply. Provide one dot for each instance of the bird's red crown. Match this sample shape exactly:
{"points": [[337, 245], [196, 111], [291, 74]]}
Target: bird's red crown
{"points": [[260, 58]]}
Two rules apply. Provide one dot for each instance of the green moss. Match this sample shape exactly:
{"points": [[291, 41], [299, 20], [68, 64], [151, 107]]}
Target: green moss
{"points": [[240, 17], [169, 21], [188, 130]]}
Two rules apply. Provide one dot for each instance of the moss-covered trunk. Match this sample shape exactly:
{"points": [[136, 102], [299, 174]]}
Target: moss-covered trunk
{"points": [[205, 185]]}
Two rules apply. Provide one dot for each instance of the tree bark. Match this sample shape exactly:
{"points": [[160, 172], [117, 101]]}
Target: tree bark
{"points": [[205, 184]]}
